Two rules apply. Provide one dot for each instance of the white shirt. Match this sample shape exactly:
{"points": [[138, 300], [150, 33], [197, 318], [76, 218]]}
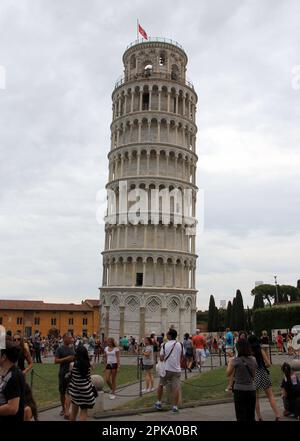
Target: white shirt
{"points": [[111, 357], [173, 362]]}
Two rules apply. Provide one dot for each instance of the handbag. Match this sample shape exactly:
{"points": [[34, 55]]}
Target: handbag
{"points": [[161, 365], [161, 368]]}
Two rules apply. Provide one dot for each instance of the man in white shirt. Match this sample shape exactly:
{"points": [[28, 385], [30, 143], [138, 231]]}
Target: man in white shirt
{"points": [[170, 353]]}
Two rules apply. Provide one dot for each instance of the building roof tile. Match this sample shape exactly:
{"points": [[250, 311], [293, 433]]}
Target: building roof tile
{"points": [[39, 305]]}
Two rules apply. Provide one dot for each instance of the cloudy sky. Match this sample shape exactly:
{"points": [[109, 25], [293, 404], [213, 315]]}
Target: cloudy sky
{"points": [[61, 59]]}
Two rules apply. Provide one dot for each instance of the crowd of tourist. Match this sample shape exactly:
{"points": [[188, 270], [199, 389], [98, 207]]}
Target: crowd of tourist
{"points": [[246, 356]]}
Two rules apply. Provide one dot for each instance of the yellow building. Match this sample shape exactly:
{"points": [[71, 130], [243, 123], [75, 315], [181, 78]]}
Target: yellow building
{"points": [[28, 316]]}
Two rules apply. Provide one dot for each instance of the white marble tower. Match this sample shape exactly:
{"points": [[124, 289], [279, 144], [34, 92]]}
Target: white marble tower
{"points": [[149, 263]]}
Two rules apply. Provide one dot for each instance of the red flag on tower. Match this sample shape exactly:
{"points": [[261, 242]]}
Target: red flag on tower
{"points": [[142, 32]]}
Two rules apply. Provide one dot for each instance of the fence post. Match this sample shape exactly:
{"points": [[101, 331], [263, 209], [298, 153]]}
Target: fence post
{"points": [[220, 357], [225, 356], [211, 361], [138, 367], [31, 378], [141, 375], [270, 353]]}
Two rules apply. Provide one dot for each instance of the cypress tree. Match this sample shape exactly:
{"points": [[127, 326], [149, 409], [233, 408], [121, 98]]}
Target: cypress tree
{"points": [[211, 314], [228, 320], [240, 312], [233, 316]]}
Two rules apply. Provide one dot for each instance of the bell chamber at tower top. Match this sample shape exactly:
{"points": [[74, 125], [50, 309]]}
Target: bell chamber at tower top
{"points": [[155, 59]]}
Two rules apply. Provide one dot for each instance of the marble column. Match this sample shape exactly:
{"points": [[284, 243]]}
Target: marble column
{"points": [[142, 322], [164, 320], [122, 320], [107, 320], [133, 274], [141, 101], [125, 104], [138, 159], [132, 99], [159, 100], [144, 273]]}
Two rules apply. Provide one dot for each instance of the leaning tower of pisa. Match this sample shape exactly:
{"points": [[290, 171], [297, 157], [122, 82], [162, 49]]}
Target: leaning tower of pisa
{"points": [[149, 261]]}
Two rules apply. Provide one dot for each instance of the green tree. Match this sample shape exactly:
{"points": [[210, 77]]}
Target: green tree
{"points": [[258, 302], [233, 316], [228, 320], [240, 322], [286, 293], [268, 292], [211, 313], [291, 293]]}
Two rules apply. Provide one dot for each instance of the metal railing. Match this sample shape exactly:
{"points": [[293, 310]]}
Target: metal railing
{"points": [[155, 40], [152, 75]]}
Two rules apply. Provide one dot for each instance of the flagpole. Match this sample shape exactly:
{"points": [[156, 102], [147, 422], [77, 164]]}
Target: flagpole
{"points": [[137, 28]]}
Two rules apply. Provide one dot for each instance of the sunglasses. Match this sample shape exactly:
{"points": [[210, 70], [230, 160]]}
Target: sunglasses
{"points": [[17, 339]]}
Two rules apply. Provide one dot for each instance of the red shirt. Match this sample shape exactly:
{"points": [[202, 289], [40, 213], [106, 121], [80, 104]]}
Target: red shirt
{"points": [[198, 341]]}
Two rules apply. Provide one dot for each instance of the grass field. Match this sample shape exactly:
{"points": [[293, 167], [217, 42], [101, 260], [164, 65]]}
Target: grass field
{"points": [[45, 381], [209, 385]]}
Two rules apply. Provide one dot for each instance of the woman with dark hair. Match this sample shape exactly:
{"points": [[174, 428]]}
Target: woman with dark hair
{"points": [[262, 378], [30, 409], [242, 368], [24, 354], [155, 345], [243, 335], [290, 389], [81, 388]]}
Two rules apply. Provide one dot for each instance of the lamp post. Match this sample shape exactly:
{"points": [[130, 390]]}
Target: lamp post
{"points": [[276, 289]]}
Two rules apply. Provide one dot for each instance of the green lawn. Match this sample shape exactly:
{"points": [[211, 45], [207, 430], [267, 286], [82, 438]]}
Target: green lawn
{"points": [[45, 381], [209, 385]]}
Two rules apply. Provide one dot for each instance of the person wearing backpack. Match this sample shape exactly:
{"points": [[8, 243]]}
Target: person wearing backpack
{"points": [[189, 351], [243, 368], [171, 354]]}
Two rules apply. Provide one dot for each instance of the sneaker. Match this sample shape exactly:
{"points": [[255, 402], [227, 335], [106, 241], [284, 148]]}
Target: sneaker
{"points": [[228, 389], [112, 397], [152, 389], [158, 406], [144, 390], [175, 409]]}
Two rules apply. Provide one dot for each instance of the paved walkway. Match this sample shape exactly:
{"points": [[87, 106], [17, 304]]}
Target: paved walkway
{"points": [[218, 412]]}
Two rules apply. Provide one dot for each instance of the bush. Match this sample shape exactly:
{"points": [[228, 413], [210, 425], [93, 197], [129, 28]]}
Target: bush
{"points": [[276, 317]]}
